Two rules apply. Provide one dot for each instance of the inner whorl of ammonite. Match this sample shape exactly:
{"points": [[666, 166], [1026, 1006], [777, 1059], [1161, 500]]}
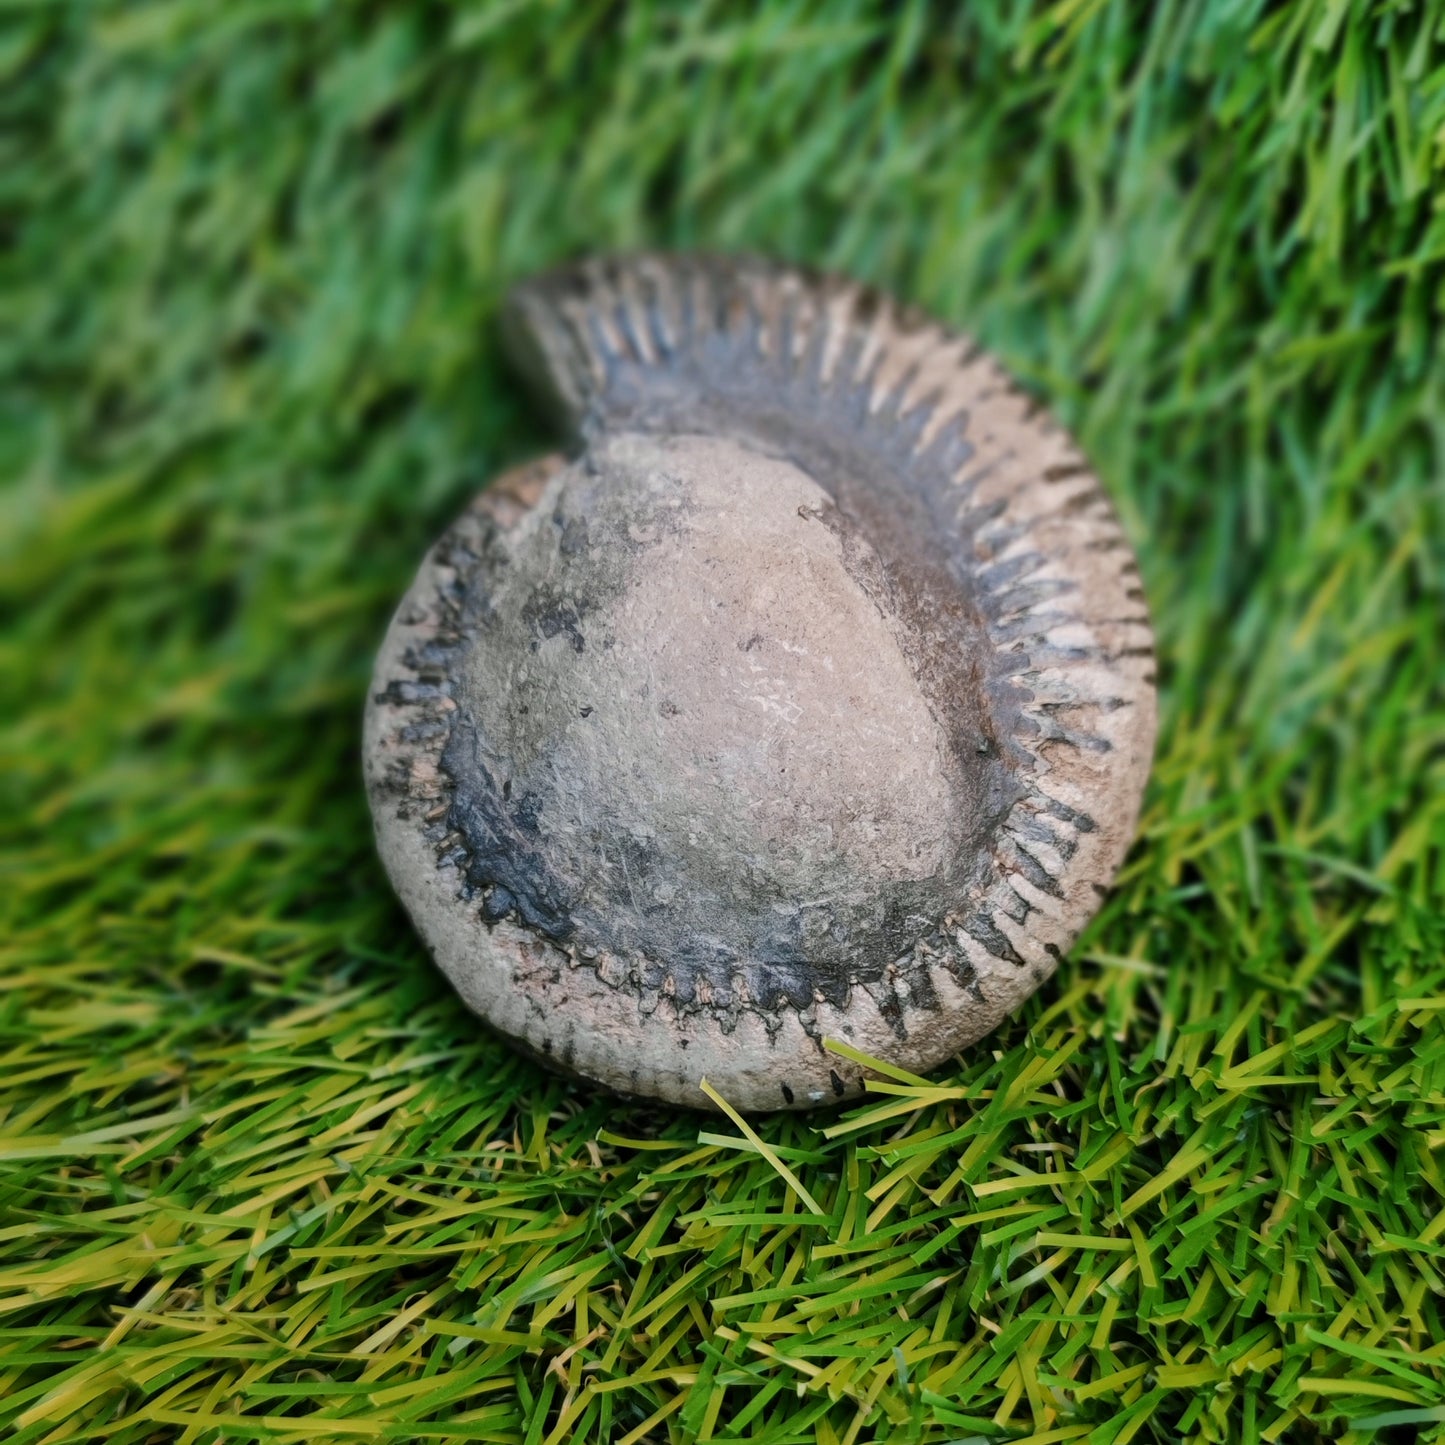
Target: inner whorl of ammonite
{"points": [[812, 695], [697, 730]]}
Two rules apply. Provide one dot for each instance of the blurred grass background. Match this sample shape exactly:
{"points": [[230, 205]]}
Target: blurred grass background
{"points": [[262, 1178]]}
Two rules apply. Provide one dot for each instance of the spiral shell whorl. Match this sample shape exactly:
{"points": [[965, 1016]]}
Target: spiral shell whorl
{"points": [[986, 567]]}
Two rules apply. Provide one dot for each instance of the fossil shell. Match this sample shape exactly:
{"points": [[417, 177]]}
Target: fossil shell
{"points": [[811, 695]]}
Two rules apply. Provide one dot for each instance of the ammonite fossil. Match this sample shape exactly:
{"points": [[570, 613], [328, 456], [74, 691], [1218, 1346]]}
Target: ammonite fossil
{"points": [[809, 695]]}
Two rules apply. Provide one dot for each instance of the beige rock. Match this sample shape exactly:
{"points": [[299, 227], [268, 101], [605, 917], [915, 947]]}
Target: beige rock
{"points": [[812, 698]]}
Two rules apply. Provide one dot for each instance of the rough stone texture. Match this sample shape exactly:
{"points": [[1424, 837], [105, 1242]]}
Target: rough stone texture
{"points": [[813, 698]]}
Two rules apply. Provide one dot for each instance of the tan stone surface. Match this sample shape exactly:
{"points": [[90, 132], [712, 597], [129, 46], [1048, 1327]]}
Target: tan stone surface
{"points": [[815, 698]]}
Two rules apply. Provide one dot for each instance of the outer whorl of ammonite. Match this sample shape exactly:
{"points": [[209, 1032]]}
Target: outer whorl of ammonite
{"points": [[812, 696]]}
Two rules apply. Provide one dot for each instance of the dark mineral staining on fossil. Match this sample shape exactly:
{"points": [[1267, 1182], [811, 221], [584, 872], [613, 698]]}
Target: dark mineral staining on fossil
{"points": [[812, 695]]}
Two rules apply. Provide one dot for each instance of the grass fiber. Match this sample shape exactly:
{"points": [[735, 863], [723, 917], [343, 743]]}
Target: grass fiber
{"points": [[261, 1176]]}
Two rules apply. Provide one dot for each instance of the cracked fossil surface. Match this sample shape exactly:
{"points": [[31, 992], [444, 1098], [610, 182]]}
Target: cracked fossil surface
{"points": [[809, 696]]}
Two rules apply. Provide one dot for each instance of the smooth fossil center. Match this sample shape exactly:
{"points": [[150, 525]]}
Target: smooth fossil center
{"points": [[689, 734]]}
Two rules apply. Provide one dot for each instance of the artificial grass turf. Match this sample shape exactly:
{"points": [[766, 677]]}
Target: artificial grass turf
{"points": [[263, 1178]]}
